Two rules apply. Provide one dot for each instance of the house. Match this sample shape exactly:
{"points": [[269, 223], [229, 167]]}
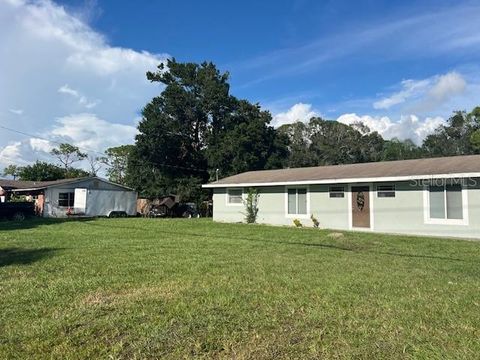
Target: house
{"points": [[91, 196], [435, 196]]}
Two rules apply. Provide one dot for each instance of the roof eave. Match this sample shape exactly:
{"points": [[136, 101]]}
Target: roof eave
{"points": [[346, 180]]}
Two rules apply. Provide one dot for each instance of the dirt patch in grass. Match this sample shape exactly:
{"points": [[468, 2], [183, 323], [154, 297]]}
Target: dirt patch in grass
{"points": [[167, 291], [336, 235]]}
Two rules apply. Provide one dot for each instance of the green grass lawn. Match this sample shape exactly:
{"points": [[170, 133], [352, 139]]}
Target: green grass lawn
{"points": [[151, 288]]}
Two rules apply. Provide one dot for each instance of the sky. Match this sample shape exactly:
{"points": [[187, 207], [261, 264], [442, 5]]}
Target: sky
{"points": [[74, 70]]}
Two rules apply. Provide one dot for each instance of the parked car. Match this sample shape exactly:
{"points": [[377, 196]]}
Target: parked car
{"points": [[17, 211], [169, 206]]}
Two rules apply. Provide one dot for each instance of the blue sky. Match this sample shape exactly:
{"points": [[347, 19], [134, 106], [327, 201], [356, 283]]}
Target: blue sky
{"points": [[77, 67]]}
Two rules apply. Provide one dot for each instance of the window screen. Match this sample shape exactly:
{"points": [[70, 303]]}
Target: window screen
{"points": [[297, 201], [446, 202], [454, 201], [234, 196], [292, 201], [384, 191], [337, 191], [302, 201]]}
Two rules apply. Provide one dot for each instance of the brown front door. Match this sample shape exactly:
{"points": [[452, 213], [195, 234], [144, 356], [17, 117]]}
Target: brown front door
{"points": [[361, 206]]}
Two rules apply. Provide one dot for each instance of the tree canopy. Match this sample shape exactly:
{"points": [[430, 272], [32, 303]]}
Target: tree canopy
{"points": [[195, 127]]}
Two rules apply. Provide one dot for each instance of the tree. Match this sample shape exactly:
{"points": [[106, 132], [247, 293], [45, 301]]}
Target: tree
{"points": [[11, 170], [396, 149], [298, 137], [116, 159], [457, 137], [68, 154], [41, 171], [195, 127], [326, 142], [76, 173], [95, 163], [245, 142]]}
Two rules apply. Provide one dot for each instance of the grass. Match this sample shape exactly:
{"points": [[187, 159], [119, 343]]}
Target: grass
{"points": [[150, 288]]}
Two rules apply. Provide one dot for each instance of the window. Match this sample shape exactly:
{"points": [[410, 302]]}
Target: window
{"points": [[66, 199], [337, 191], [386, 191], [446, 204], [234, 196], [297, 201]]}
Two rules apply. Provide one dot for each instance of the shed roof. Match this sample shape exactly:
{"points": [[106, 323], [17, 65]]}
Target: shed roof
{"points": [[38, 185], [453, 166], [20, 184]]}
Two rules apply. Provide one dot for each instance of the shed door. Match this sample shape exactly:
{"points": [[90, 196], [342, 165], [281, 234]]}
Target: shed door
{"points": [[80, 200], [361, 206]]}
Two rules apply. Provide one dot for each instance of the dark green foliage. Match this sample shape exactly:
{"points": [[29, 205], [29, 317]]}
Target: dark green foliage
{"points": [[43, 171], [195, 127], [251, 206], [76, 173], [11, 170], [325, 142], [458, 137], [396, 149]]}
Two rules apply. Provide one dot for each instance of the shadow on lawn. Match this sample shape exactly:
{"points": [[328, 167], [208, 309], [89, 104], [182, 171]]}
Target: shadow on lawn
{"points": [[18, 256], [354, 248], [30, 223]]}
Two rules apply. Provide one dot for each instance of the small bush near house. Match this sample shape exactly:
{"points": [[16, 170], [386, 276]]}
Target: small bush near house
{"points": [[251, 206], [316, 223], [297, 223]]}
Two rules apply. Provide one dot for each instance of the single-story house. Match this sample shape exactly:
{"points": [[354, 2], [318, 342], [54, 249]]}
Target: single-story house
{"points": [[434, 196], [90, 196]]}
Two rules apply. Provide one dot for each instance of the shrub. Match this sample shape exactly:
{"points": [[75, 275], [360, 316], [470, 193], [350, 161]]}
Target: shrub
{"points": [[251, 206], [316, 223], [297, 223]]}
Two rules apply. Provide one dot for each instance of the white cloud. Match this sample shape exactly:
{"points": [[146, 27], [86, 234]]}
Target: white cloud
{"points": [[409, 88], [445, 87], [82, 100], [407, 127], [16, 111], [426, 94], [10, 154], [298, 112], [60, 68], [90, 133]]}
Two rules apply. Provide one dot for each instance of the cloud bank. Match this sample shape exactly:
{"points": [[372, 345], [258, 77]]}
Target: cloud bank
{"points": [[63, 80]]}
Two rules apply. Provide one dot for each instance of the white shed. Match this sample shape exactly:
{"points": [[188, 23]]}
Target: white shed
{"points": [[91, 196]]}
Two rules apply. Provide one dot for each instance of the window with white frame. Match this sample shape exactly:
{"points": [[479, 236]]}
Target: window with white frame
{"points": [[446, 202], [297, 201], [386, 191], [337, 191], [234, 196], [66, 199]]}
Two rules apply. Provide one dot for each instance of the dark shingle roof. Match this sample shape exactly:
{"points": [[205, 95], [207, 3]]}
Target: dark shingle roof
{"points": [[19, 184], [402, 168]]}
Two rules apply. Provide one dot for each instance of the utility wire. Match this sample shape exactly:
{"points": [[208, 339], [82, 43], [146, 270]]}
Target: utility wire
{"points": [[100, 153]]}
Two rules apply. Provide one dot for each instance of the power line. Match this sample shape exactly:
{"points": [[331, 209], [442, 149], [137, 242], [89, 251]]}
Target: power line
{"points": [[100, 153]]}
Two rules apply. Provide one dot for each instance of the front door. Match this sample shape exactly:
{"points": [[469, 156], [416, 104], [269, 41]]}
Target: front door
{"points": [[361, 206]]}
